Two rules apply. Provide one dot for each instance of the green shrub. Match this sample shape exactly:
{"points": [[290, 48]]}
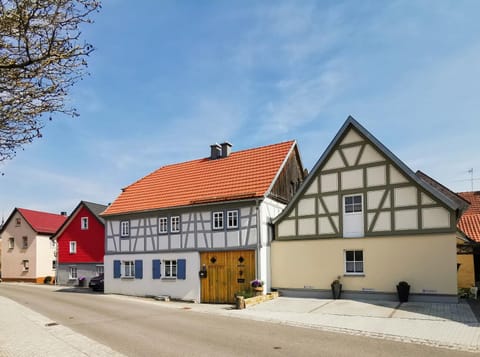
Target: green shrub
{"points": [[47, 280]]}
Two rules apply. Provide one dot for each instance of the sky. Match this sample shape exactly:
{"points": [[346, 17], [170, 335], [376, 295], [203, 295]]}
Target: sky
{"points": [[170, 78]]}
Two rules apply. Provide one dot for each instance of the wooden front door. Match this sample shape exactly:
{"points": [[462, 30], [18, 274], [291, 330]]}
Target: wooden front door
{"points": [[227, 274]]}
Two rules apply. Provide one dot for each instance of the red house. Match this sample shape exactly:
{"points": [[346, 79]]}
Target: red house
{"points": [[81, 245]]}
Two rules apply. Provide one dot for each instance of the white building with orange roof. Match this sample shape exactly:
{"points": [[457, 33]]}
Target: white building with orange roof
{"points": [[200, 230]]}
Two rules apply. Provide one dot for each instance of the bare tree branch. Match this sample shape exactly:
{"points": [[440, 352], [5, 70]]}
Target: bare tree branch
{"points": [[41, 58]]}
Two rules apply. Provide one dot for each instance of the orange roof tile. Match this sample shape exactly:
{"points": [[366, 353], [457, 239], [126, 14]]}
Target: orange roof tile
{"points": [[243, 174], [470, 221]]}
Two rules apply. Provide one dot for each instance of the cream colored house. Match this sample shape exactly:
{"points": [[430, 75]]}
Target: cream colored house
{"points": [[364, 216], [27, 252]]}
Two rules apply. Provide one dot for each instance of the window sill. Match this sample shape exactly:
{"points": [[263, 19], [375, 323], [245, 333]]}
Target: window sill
{"points": [[354, 274], [169, 279], [127, 277]]}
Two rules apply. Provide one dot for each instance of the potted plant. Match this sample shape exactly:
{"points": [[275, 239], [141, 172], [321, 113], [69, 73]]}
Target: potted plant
{"points": [[81, 281], [257, 286], [403, 290], [336, 288]]}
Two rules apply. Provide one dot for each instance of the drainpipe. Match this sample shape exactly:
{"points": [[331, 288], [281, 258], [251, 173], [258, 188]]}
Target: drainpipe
{"points": [[258, 238]]}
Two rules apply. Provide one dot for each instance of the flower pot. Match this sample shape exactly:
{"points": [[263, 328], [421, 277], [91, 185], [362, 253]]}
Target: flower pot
{"points": [[403, 290], [258, 290], [336, 290]]}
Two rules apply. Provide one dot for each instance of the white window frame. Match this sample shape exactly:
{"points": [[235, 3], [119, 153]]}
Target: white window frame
{"points": [[232, 219], [354, 261], [175, 224], [72, 272], [128, 267], [99, 269], [163, 225], [84, 223], [24, 242], [124, 228], [217, 220], [170, 269], [354, 205], [11, 243], [72, 247], [26, 264]]}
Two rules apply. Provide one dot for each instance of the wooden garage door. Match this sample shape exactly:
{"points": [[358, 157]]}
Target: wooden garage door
{"points": [[227, 273]]}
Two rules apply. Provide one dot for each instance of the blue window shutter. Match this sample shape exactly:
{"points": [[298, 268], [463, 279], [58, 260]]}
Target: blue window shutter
{"points": [[116, 269], [181, 269], [138, 269], [156, 272]]}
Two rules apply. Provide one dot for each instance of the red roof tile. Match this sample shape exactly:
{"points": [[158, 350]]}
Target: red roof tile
{"points": [[42, 222], [470, 221], [243, 174]]}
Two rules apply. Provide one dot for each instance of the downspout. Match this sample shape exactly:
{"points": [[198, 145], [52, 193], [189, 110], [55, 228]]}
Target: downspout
{"points": [[259, 227]]}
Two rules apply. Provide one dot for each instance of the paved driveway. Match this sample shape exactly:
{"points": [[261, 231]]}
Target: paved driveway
{"points": [[437, 324]]}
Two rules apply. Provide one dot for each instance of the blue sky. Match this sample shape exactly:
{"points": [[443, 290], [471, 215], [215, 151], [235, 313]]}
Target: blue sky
{"points": [[169, 78]]}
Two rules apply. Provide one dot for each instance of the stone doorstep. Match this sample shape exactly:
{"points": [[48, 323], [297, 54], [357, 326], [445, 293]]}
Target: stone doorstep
{"points": [[243, 303]]}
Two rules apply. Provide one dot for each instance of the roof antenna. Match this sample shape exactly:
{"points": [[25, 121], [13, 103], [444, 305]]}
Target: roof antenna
{"points": [[471, 177]]}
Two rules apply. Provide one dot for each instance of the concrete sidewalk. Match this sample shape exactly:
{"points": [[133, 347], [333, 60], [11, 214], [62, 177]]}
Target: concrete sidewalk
{"points": [[24, 332]]}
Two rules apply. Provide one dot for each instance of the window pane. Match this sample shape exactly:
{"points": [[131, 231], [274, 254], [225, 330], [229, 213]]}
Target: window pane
{"points": [[349, 209], [357, 199], [359, 255], [349, 255], [349, 267], [348, 200], [357, 208]]}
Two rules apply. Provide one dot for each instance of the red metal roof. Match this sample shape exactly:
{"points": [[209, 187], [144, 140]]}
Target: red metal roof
{"points": [[243, 174], [470, 221], [42, 222]]}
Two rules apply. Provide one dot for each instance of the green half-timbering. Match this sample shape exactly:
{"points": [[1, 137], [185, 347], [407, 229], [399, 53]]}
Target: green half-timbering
{"points": [[358, 188]]}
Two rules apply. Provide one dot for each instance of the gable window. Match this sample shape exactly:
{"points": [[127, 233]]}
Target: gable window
{"points": [[11, 243], [354, 262], [18, 221], [128, 269], [24, 242], [26, 265], [124, 228], [353, 204], [162, 225], [217, 220], [84, 223], [72, 273], [175, 224], [73, 247], [232, 219], [170, 267]]}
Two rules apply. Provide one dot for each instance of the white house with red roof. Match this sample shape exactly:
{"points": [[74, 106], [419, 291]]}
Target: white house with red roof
{"points": [[27, 252], [200, 230]]}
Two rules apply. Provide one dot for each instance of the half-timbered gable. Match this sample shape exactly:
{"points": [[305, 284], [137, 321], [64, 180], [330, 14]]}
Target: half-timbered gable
{"points": [[181, 212], [358, 195], [360, 189]]}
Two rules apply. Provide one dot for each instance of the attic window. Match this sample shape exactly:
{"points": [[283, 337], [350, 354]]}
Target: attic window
{"points": [[84, 223], [18, 221]]}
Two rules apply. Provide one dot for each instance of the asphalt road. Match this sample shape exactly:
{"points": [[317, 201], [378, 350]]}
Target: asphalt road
{"points": [[135, 327]]}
